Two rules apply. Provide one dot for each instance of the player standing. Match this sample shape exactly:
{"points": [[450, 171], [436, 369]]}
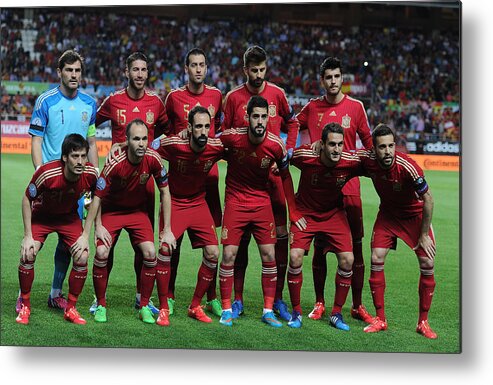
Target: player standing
{"points": [[121, 107], [406, 209], [337, 107], [121, 194], [190, 161], [251, 151], [50, 205], [281, 117], [320, 201], [178, 105], [58, 112]]}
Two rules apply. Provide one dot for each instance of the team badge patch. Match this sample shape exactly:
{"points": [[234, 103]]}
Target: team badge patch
{"points": [[211, 110], [224, 233], [346, 121], [85, 116], [272, 110], [144, 178], [101, 184], [150, 117], [32, 190], [207, 166], [155, 144], [265, 163]]}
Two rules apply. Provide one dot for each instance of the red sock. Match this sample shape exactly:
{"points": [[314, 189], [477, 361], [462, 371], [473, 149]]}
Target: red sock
{"points": [[319, 269], [426, 290], [76, 281], [281, 263], [175, 259], [138, 262], [241, 263], [211, 291], [26, 278], [269, 278], [205, 276], [147, 278], [162, 278], [226, 284], [295, 281], [100, 280], [377, 287], [358, 279], [342, 282]]}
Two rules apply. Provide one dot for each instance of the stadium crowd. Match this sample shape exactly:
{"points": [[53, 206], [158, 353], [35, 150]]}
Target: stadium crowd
{"points": [[407, 70]]}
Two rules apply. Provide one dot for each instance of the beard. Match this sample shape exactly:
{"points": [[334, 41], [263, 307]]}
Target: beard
{"points": [[256, 133], [256, 83], [201, 141]]}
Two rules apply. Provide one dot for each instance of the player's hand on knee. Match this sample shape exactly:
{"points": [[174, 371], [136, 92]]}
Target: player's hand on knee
{"points": [[101, 233], [80, 245], [28, 249], [168, 238], [427, 244]]}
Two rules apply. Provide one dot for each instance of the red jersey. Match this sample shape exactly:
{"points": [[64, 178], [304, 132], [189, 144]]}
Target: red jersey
{"points": [[180, 102], [400, 188], [281, 114], [320, 188], [52, 194], [122, 185], [249, 166], [121, 109], [188, 170], [349, 113]]}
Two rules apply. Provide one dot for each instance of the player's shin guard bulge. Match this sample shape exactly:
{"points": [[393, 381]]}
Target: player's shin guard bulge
{"points": [[226, 277], [342, 285], [147, 278], [269, 278], [162, 276], [26, 278], [76, 282], [377, 287], [100, 279], [205, 276], [295, 282]]}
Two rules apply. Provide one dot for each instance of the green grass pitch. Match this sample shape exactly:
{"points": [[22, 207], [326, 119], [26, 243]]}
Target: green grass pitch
{"points": [[123, 329]]}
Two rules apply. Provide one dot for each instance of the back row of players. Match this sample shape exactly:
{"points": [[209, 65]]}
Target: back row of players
{"points": [[193, 129]]}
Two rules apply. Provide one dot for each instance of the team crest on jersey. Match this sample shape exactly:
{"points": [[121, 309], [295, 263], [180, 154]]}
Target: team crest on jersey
{"points": [[396, 186], [272, 110], [346, 121], [340, 181], [85, 116], [224, 233], [265, 163], [32, 190], [207, 166], [211, 110], [144, 178], [150, 117]]}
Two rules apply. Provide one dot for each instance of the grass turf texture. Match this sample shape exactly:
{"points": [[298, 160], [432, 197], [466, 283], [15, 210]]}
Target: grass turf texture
{"points": [[123, 329]]}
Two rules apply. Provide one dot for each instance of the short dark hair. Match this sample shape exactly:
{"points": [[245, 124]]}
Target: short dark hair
{"points": [[136, 56], [330, 63], [333, 127], [194, 51], [256, 101], [70, 57], [197, 110], [381, 130], [254, 55], [135, 121], [74, 142]]}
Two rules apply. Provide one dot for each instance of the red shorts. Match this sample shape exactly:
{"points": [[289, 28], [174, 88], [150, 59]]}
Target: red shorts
{"points": [[258, 220], [278, 199], [354, 212], [196, 220], [387, 229], [68, 228], [334, 231], [136, 223], [212, 195]]}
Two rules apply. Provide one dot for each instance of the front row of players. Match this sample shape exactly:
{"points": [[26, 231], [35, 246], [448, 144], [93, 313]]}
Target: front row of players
{"points": [[406, 207]]}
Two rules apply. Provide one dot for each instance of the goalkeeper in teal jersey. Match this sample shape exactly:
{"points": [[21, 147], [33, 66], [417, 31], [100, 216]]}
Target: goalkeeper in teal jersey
{"points": [[59, 112]]}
